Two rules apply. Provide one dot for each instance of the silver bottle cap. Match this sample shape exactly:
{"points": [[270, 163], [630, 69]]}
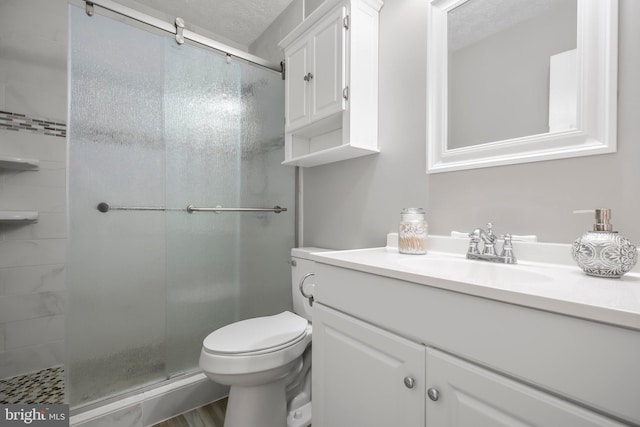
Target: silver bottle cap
{"points": [[603, 220]]}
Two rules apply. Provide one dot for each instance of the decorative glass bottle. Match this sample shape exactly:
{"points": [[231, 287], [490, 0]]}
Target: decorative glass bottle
{"points": [[603, 252], [412, 235]]}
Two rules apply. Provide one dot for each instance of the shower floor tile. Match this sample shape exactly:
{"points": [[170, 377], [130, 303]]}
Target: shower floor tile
{"points": [[46, 386]]}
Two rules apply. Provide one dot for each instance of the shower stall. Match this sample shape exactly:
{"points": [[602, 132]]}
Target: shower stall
{"points": [[156, 126]]}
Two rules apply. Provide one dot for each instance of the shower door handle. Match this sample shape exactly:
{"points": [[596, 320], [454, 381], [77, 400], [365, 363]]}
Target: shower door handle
{"points": [[106, 207], [219, 209]]}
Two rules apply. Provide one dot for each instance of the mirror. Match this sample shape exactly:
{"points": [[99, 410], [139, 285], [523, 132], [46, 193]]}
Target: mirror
{"points": [[514, 81]]}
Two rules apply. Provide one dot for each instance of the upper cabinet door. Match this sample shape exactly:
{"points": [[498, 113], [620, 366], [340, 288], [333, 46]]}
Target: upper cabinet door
{"points": [[328, 68], [296, 84], [331, 116]]}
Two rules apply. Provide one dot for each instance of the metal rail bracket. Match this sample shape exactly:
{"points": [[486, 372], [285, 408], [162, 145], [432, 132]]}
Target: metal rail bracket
{"points": [[88, 8], [179, 30]]}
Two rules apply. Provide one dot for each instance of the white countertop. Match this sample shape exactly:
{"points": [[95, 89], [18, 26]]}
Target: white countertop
{"points": [[545, 278]]}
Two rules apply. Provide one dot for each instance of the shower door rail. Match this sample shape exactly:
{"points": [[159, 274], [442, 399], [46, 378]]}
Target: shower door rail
{"points": [[106, 207], [180, 32]]}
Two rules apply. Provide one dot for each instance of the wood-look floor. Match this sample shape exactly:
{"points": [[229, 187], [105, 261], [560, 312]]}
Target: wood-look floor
{"points": [[211, 415]]}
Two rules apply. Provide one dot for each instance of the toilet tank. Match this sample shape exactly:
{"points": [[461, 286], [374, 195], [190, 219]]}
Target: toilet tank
{"points": [[300, 266]]}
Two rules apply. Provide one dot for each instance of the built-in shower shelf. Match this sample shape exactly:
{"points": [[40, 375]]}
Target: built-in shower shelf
{"points": [[13, 217], [9, 162]]}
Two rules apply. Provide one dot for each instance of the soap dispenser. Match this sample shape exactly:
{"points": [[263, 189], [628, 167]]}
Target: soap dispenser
{"points": [[603, 252]]}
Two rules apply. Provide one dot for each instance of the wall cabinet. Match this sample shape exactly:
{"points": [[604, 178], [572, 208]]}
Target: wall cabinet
{"points": [[331, 84], [469, 361], [315, 81]]}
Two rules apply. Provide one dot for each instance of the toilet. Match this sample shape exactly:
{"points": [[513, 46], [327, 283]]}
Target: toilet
{"points": [[266, 361]]}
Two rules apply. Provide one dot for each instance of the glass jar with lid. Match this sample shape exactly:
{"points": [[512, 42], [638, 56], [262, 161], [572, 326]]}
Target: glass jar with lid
{"points": [[412, 233]]}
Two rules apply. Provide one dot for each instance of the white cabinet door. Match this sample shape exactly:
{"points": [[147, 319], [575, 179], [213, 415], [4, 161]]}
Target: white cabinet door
{"points": [[296, 84], [359, 374], [330, 116], [470, 396], [328, 66]]}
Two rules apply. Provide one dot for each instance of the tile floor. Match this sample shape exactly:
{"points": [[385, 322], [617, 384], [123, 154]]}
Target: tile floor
{"points": [[46, 386]]}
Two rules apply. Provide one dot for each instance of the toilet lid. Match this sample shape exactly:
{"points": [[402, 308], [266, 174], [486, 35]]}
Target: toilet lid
{"points": [[257, 334]]}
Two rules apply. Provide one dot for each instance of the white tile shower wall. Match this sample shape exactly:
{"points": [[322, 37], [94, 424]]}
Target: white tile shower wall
{"points": [[33, 83], [33, 57], [32, 256]]}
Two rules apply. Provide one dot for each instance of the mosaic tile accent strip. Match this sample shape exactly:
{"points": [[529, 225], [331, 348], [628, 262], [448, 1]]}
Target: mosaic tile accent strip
{"points": [[46, 386], [22, 122]]}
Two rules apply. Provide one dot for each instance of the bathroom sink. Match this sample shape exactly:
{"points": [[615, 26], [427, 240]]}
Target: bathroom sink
{"points": [[481, 272]]}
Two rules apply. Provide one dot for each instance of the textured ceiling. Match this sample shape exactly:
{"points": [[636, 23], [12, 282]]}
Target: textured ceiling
{"points": [[240, 21]]}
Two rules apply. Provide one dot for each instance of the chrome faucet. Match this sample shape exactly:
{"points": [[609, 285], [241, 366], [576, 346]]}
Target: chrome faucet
{"points": [[489, 240]]}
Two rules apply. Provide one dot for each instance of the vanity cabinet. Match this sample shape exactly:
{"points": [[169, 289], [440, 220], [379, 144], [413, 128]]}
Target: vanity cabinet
{"points": [[331, 84], [471, 361]]}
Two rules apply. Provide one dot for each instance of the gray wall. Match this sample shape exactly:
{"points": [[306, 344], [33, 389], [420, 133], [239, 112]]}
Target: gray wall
{"points": [[538, 198], [354, 203]]}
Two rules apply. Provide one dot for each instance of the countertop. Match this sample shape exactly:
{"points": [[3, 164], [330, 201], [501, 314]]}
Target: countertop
{"points": [[545, 278]]}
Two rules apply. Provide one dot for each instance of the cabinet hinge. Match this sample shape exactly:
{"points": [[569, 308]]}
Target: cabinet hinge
{"points": [[345, 93], [345, 22]]}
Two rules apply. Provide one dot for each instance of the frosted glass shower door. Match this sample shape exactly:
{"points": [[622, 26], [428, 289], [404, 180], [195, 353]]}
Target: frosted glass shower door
{"points": [[116, 318], [157, 124], [224, 133]]}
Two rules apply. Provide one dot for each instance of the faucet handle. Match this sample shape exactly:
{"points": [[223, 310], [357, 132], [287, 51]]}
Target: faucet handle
{"points": [[474, 240], [507, 249]]}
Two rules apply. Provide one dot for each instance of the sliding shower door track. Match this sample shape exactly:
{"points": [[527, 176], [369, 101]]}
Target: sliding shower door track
{"points": [[180, 32]]}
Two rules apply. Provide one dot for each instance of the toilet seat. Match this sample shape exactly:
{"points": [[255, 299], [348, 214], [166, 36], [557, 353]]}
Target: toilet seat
{"points": [[255, 345], [257, 335]]}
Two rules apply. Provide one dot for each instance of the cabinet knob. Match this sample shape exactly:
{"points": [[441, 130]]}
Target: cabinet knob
{"points": [[308, 77], [409, 382], [433, 394]]}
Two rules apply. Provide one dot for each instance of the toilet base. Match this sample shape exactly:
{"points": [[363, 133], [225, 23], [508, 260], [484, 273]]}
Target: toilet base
{"points": [[301, 417], [263, 405]]}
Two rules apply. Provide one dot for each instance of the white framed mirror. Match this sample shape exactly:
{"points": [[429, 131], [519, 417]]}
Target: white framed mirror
{"points": [[516, 81]]}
